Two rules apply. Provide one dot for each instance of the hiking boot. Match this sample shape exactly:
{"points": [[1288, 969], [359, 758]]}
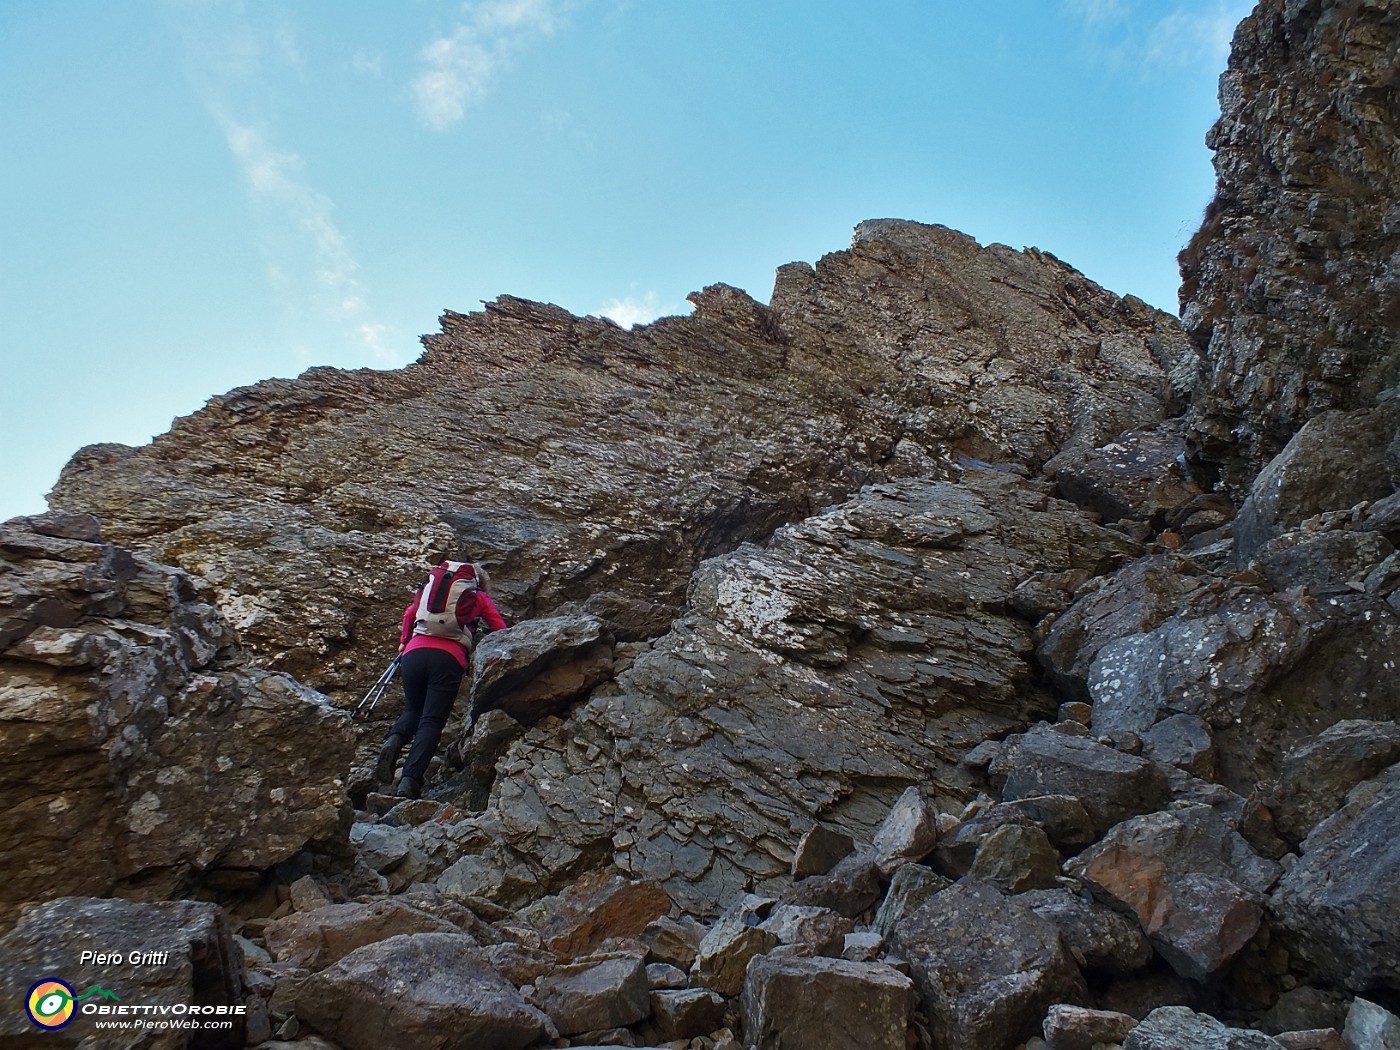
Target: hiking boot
{"points": [[409, 788], [388, 760]]}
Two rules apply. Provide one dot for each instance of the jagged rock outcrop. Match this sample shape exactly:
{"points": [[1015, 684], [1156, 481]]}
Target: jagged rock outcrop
{"points": [[134, 730], [593, 468], [1291, 288]]}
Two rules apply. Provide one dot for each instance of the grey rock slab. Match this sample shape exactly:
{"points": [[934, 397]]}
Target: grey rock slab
{"points": [[1141, 596], [586, 997], [821, 929], [1312, 1039], [1371, 1027], [686, 1013], [1317, 775], [724, 954], [1324, 563], [315, 939], [1079, 1028], [1141, 476], [825, 1004], [673, 941], [908, 833], [1017, 858], [410, 991], [1102, 941], [1265, 671], [819, 850], [538, 667], [1184, 741], [1309, 476], [848, 889], [986, 967], [911, 886], [1181, 1028], [664, 975]]}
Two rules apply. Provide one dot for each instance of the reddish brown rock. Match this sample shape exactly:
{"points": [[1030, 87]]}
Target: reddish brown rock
{"points": [[602, 906]]}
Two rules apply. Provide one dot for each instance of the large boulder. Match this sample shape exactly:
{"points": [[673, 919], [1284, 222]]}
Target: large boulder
{"points": [[1291, 287], [130, 720], [1265, 672], [173, 957], [1193, 883], [538, 668], [1317, 775], [1141, 476], [316, 938], [1337, 904], [592, 996], [598, 907], [986, 967], [410, 991], [1103, 941], [1145, 594], [1111, 785], [825, 1004]]}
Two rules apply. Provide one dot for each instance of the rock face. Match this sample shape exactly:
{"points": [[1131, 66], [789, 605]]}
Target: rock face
{"points": [[131, 722], [1291, 289], [593, 468]]}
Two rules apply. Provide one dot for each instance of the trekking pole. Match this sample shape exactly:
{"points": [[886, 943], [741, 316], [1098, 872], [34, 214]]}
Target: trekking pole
{"points": [[377, 690]]}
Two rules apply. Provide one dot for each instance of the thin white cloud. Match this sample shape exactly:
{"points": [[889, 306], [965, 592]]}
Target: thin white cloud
{"points": [[1132, 34], [277, 183], [310, 262], [1098, 12], [458, 68], [633, 310], [368, 65], [1183, 38]]}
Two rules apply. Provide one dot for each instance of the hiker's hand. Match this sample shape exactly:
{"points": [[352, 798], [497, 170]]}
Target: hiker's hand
{"points": [[401, 648]]}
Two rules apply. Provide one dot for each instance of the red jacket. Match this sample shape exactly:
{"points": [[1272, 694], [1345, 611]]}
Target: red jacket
{"points": [[480, 607]]}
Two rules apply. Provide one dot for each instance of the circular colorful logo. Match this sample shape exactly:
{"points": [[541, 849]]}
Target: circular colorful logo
{"points": [[50, 1003]]}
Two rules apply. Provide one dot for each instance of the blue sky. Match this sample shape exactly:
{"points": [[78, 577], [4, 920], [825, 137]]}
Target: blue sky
{"points": [[198, 194]]}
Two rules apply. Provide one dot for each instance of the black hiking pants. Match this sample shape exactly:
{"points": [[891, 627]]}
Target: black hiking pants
{"points": [[431, 678]]}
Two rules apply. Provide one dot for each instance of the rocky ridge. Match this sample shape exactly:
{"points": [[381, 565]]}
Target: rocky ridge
{"points": [[1007, 727], [593, 468]]}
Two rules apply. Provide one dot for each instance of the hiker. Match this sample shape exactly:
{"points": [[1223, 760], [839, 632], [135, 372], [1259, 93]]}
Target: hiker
{"points": [[439, 628]]}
